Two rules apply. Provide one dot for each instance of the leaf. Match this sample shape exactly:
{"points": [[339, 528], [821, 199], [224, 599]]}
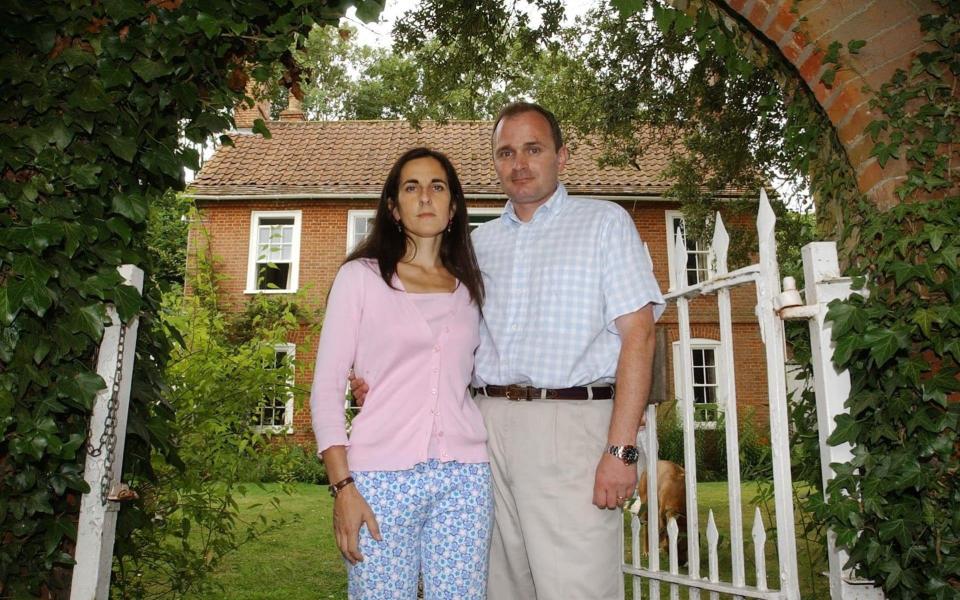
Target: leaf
{"points": [[121, 10], [37, 237], [34, 295], [828, 77], [847, 429], [209, 24], [883, 344], [664, 17], [924, 318], [629, 7], [83, 388], [260, 127], [148, 70], [124, 147], [132, 206], [127, 300], [10, 303], [854, 46], [85, 176], [369, 10], [88, 320]]}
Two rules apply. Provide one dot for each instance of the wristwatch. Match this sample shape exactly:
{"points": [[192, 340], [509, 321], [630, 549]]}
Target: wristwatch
{"points": [[628, 454]]}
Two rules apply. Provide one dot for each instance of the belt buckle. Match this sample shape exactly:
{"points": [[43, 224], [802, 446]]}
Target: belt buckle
{"points": [[516, 392]]}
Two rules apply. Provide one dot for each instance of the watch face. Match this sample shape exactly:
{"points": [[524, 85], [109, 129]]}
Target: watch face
{"points": [[630, 454]]}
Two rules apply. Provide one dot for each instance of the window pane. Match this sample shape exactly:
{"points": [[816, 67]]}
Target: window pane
{"points": [[273, 276], [276, 220]]}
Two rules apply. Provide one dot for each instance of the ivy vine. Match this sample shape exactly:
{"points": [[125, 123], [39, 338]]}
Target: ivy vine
{"points": [[95, 100]]}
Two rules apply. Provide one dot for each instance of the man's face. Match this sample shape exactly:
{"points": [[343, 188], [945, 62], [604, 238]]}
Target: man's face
{"points": [[527, 163]]}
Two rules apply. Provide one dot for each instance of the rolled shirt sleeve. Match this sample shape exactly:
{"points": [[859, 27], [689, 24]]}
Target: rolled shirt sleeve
{"points": [[628, 280]]}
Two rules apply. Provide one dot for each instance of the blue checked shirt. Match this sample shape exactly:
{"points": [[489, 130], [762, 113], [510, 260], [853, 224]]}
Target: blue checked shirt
{"points": [[554, 287]]}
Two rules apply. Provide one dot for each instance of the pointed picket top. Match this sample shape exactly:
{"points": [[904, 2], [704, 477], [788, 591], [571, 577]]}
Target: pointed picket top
{"points": [[720, 246], [680, 260], [673, 531], [713, 537], [766, 219], [759, 547]]}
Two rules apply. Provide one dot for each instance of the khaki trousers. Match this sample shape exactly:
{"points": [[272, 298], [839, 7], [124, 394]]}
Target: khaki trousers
{"points": [[549, 541]]}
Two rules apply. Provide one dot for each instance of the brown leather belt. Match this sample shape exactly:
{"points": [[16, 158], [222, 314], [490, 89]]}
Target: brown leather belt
{"points": [[527, 393]]}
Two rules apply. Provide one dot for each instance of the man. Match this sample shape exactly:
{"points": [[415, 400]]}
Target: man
{"points": [[570, 307]]}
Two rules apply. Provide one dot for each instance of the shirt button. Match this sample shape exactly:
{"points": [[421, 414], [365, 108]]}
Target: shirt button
{"points": [[515, 327], [439, 434], [446, 330], [436, 348], [434, 391], [436, 370]]}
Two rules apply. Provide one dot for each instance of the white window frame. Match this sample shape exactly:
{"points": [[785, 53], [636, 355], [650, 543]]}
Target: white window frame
{"points": [[287, 427], [356, 214], [721, 375], [484, 211], [352, 217], [671, 217], [252, 255]]}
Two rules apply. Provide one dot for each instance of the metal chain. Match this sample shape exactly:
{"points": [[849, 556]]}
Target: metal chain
{"points": [[108, 439]]}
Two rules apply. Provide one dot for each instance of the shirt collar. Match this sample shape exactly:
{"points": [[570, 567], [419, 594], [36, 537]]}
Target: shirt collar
{"points": [[552, 206]]}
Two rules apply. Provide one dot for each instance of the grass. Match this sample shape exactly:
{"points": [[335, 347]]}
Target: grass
{"points": [[300, 559]]}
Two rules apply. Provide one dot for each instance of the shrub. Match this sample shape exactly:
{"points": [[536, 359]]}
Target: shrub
{"points": [[283, 463]]}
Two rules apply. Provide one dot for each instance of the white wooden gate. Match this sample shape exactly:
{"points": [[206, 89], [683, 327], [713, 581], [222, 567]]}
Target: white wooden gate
{"points": [[771, 308]]}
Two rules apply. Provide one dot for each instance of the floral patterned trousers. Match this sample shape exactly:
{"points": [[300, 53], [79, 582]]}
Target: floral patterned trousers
{"points": [[435, 520]]}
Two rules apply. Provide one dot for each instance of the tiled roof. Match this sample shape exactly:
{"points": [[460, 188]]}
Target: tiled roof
{"points": [[316, 158]]}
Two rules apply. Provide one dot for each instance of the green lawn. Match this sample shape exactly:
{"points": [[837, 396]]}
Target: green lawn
{"points": [[300, 559]]}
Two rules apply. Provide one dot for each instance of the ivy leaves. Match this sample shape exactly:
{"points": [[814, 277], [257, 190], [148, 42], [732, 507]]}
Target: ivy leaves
{"points": [[92, 111], [900, 344]]}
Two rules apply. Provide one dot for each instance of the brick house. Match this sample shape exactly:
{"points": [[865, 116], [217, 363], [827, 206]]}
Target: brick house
{"points": [[280, 214]]}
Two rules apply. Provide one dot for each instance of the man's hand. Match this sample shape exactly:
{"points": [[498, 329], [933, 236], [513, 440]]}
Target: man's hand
{"points": [[350, 511], [358, 387], [614, 483]]}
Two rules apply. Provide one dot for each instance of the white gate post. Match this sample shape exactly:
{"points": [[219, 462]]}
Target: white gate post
{"points": [[823, 284], [771, 331], [96, 530]]}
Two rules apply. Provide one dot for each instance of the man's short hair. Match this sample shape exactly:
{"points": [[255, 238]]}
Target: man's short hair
{"points": [[518, 108]]}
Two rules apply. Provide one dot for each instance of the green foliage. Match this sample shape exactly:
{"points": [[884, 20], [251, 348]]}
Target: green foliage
{"points": [[166, 236], [187, 519], [895, 505], [710, 446], [94, 103], [284, 463]]}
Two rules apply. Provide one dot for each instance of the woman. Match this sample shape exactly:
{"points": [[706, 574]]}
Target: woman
{"points": [[411, 485]]}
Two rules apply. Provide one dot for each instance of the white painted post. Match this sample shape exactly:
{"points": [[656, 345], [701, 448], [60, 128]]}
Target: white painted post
{"points": [[720, 246], [771, 329], [96, 530], [651, 450], [823, 284], [686, 405]]}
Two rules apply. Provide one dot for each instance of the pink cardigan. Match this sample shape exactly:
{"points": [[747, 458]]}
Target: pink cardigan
{"points": [[413, 376]]}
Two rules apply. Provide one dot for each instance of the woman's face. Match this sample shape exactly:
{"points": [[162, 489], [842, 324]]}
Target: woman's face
{"points": [[423, 200]]}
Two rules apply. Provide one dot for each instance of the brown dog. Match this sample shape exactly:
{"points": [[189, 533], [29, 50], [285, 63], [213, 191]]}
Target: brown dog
{"points": [[671, 502]]}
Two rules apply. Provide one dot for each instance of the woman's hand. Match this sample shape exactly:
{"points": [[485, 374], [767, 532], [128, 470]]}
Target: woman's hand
{"points": [[350, 511]]}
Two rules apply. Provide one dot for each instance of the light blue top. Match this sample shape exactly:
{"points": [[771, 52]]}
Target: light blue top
{"points": [[554, 286]]}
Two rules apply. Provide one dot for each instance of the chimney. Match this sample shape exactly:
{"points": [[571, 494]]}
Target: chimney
{"points": [[244, 116], [294, 110]]}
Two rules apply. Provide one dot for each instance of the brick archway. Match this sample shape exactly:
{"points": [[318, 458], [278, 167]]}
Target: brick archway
{"points": [[804, 29]]}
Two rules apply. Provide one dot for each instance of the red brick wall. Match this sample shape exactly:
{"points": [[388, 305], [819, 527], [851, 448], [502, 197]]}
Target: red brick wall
{"points": [[226, 225]]}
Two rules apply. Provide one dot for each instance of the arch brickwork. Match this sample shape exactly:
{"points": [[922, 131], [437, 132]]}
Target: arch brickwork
{"points": [[804, 29]]}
